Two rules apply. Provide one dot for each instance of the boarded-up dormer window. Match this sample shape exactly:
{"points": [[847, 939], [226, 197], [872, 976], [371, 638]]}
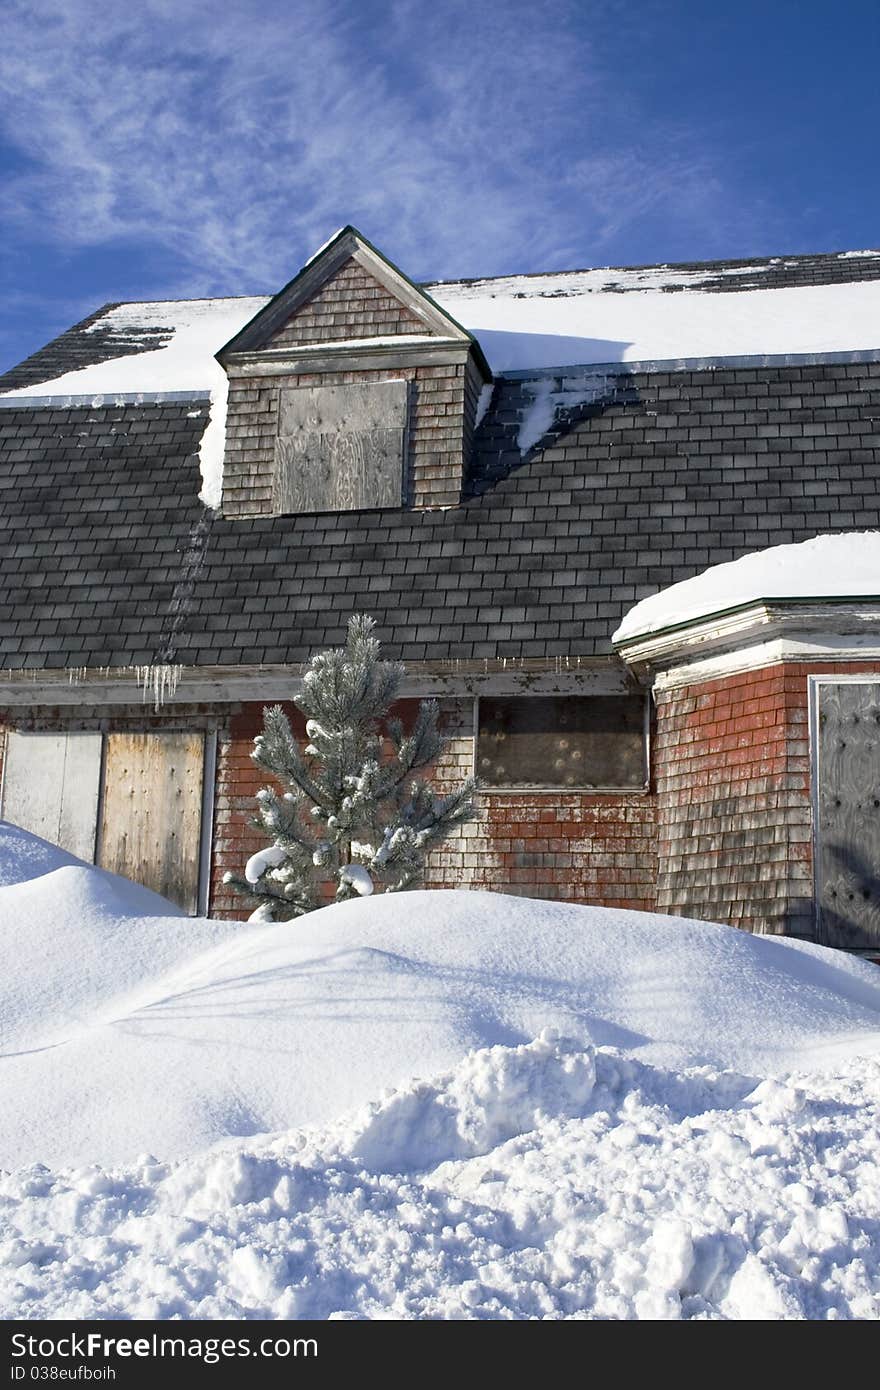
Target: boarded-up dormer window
{"points": [[340, 448]]}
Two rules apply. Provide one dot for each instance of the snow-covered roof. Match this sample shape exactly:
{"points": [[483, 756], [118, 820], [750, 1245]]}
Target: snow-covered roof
{"points": [[572, 318], [801, 305], [588, 317], [826, 567]]}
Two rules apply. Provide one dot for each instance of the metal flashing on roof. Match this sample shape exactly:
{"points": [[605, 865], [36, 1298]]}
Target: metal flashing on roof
{"points": [[695, 364], [101, 399]]}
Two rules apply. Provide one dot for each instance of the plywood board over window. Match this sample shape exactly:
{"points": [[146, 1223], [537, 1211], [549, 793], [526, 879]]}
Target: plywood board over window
{"points": [[152, 810], [50, 787], [847, 801], [340, 448], [590, 742]]}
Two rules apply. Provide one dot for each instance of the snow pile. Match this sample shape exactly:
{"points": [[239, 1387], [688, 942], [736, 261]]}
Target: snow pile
{"points": [[442, 1104], [198, 328], [130, 1028], [24, 856], [543, 1181], [493, 1095], [839, 566]]}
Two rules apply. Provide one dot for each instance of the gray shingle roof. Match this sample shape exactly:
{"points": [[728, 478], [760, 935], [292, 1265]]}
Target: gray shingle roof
{"points": [[107, 558]]}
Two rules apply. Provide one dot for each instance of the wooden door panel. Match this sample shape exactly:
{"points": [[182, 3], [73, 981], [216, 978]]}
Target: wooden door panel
{"points": [[152, 812], [848, 813], [50, 787]]}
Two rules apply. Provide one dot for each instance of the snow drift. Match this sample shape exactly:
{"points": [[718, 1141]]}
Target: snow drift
{"points": [[131, 1029], [548, 1180], [426, 1105]]}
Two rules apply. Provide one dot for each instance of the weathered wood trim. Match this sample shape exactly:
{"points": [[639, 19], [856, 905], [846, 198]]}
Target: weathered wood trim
{"points": [[797, 648], [222, 685], [814, 621], [323, 357], [206, 847]]}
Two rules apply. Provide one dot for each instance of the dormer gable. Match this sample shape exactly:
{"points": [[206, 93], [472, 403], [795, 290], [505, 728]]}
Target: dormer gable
{"points": [[350, 389]]}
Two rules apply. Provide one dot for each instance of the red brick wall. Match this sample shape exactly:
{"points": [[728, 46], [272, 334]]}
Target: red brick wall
{"points": [[569, 846], [734, 821], [238, 781]]}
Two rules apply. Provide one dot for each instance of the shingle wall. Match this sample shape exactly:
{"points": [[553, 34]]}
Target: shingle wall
{"points": [[734, 821], [435, 434], [572, 847], [350, 305]]}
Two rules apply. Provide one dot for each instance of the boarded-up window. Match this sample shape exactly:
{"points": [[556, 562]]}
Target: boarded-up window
{"points": [[562, 741], [340, 448], [152, 812], [50, 787], [847, 791]]}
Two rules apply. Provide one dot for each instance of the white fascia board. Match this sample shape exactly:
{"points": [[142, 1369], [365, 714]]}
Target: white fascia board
{"points": [[803, 647], [814, 624]]}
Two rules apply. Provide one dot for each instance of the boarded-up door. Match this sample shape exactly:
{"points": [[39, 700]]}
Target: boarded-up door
{"points": [[50, 787], [847, 777], [152, 811]]}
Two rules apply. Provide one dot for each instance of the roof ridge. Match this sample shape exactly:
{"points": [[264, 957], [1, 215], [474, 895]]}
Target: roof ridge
{"points": [[724, 262]]}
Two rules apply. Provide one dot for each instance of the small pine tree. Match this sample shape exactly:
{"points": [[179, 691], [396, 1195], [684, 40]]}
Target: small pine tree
{"points": [[353, 812]]}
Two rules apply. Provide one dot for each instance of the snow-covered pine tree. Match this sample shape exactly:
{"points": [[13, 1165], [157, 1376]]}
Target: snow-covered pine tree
{"points": [[353, 810]]}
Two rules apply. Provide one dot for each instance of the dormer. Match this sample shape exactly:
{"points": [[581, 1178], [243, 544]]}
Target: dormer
{"points": [[350, 390]]}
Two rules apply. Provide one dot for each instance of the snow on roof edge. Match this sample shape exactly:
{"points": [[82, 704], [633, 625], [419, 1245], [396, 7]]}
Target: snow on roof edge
{"points": [[831, 569]]}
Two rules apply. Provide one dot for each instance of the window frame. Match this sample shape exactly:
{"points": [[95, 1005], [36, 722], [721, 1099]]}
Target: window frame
{"points": [[526, 788]]}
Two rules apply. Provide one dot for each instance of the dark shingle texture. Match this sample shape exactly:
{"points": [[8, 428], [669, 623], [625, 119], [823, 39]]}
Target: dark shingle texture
{"points": [[84, 345], [105, 560], [97, 509]]}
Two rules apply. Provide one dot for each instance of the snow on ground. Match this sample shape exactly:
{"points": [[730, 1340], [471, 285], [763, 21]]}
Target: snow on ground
{"points": [[619, 1115], [840, 566]]}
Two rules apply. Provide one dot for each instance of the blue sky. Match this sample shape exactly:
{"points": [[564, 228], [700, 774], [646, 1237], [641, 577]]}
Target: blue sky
{"points": [[177, 148]]}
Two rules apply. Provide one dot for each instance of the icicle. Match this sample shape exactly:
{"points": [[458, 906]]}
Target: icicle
{"points": [[158, 682]]}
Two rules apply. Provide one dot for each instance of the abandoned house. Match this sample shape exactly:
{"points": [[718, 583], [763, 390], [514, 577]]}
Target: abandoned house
{"points": [[196, 495]]}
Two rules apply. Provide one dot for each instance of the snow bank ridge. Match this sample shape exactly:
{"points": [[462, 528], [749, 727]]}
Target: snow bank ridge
{"points": [[495, 1094]]}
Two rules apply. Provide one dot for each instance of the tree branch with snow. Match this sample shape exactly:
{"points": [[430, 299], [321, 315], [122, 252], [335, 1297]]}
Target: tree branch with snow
{"points": [[352, 817]]}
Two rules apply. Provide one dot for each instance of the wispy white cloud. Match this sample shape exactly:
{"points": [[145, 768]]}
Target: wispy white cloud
{"points": [[463, 138]]}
